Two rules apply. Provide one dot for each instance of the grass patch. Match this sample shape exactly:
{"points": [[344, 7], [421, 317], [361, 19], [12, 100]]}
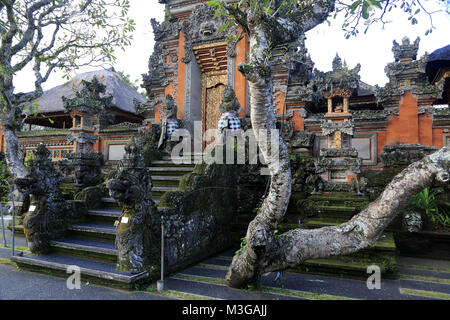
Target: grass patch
{"points": [[176, 294], [8, 262], [15, 247], [427, 279], [429, 294], [210, 280]]}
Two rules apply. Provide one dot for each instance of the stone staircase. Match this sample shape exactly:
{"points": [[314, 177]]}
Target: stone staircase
{"points": [[335, 208], [91, 244], [330, 209]]}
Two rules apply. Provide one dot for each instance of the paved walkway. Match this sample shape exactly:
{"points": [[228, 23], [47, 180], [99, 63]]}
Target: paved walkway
{"points": [[24, 285], [419, 279]]}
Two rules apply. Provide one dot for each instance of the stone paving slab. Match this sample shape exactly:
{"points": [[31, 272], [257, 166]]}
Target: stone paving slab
{"points": [[425, 286], [77, 261], [424, 273], [442, 265], [23, 285], [347, 288], [350, 288], [220, 291]]}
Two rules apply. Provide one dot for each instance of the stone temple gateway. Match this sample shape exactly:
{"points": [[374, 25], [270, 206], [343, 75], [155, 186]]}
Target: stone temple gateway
{"points": [[346, 138]]}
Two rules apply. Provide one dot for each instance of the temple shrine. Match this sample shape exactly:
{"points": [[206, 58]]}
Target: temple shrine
{"points": [[351, 122], [346, 139]]}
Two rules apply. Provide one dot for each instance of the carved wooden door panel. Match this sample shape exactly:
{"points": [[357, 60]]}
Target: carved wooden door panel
{"points": [[213, 87]]}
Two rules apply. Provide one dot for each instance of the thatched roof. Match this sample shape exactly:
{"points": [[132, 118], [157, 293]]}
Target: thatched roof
{"points": [[440, 54], [123, 94], [439, 59]]}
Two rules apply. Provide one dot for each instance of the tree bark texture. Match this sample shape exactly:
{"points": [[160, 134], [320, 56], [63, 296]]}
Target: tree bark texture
{"points": [[294, 247], [265, 251]]}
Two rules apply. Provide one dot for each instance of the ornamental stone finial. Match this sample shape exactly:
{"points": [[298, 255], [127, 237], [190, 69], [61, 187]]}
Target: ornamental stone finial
{"points": [[405, 51], [337, 63]]}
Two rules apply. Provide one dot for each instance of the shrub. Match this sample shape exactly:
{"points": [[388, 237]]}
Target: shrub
{"points": [[427, 201]]}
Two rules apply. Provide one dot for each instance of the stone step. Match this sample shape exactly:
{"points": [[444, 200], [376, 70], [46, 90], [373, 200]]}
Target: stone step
{"points": [[338, 197], [314, 223], [109, 213], [113, 201], [336, 210], [166, 181], [342, 267], [191, 156], [170, 163], [108, 203], [92, 231], [173, 168], [424, 264], [83, 246], [201, 286], [93, 228], [108, 200], [90, 270], [425, 275], [442, 289], [166, 178], [306, 286], [170, 171], [162, 189]]}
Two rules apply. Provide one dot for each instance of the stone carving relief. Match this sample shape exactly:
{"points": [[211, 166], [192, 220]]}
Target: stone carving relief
{"points": [[45, 219], [131, 186], [202, 27]]}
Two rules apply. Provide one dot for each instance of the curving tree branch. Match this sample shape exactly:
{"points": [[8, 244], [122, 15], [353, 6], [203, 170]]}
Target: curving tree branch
{"points": [[269, 24], [49, 35]]}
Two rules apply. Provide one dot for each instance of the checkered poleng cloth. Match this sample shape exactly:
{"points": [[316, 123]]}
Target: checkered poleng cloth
{"points": [[229, 121], [172, 125]]}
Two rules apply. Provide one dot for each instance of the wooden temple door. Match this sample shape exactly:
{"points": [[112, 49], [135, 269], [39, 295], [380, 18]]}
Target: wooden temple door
{"points": [[213, 92], [212, 60]]}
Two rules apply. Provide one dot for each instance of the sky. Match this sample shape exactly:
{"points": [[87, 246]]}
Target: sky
{"points": [[371, 50]]}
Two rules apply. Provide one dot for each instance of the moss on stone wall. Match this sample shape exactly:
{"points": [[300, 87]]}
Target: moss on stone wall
{"points": [[199, 215]]}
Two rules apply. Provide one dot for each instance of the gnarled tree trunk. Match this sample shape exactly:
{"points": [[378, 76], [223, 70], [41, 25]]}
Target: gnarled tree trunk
{"points": [[265, 252], [296, 246], [15, 164], [254, 260]]}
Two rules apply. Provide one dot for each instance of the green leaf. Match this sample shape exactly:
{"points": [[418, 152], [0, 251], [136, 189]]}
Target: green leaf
{"points": [[213, 3], [365, 10], [354, 5], [375, 3], [224, 27]]}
